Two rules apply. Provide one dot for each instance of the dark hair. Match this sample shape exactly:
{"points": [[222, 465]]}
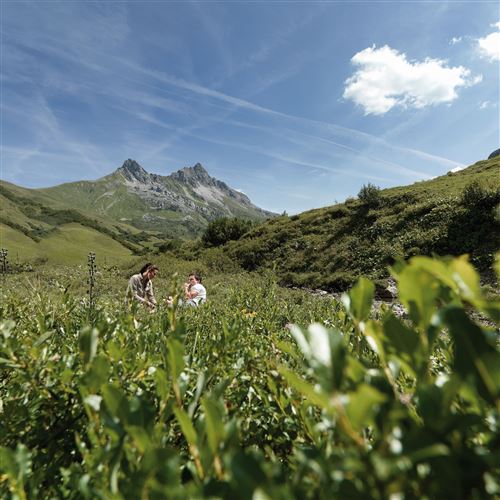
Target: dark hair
{"points": [[148, 267], [197, 276]]}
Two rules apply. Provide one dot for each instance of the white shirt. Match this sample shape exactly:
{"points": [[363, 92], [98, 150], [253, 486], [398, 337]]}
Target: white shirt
{"points": [[202, 293]]}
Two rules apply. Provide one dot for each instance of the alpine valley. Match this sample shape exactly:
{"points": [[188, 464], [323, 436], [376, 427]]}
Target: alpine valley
{"points": [[125, 212]]}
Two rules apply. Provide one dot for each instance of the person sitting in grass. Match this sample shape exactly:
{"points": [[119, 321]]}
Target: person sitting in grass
{"points": [[194, 292], [140, 286]]}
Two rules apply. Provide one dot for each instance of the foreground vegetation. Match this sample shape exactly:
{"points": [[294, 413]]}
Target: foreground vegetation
{"points": [[230, 400]]}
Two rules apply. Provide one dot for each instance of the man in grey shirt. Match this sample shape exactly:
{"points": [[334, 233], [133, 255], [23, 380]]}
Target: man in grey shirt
{"points": [[140, 286]]}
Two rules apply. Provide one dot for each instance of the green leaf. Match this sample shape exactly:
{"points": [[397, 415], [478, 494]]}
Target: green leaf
{"points": [[97, 374], [175, 358], [8, 462], [247, 472], [140, 437], [474, 355], [43, 338], [116, 402], [466, 278], [6, 327], [200, 385], [363, 404], [162, 384], [435, 450], [439, 269], [187, 427], [88, 341], [306, 389], [16, 464], [375, 337], [418, 291], [358, 300], [214, 423], [400, 338]]}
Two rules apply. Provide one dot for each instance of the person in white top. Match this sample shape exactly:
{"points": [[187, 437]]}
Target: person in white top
{"points": [[194, 292]]}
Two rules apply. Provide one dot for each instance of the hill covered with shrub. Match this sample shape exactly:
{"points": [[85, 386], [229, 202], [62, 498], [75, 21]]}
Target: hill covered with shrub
{"points": [[330, 247]]}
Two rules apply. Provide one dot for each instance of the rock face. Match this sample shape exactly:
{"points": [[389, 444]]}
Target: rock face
{"points": [[189, 190], [133, 172], [495, 153]]}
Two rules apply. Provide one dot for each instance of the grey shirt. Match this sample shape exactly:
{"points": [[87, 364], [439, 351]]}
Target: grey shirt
{"points": [[140, 291]]}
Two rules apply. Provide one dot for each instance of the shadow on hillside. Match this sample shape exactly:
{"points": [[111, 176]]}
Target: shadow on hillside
{"points": [[473, 231], [357, 221]]}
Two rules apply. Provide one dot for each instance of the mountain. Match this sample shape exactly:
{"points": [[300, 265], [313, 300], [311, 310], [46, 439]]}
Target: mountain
{"points": [[331, 247], [125, 212], [180, 204]]}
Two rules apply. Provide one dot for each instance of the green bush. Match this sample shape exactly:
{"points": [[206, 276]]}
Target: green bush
{"points": [[476, 195], [168, 245], [370, 195], [224, 229]]}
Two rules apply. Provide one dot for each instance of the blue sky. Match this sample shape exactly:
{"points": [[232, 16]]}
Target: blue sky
{"points": [[297, 104]]}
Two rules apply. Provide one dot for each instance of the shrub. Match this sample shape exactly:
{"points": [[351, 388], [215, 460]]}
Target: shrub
{"points": [[222, 230], [168, 245], [475, 195], [370, 195]]}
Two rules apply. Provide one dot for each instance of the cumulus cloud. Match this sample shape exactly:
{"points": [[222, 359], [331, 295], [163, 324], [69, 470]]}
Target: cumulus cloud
{"points": [[489, 46], [385, 78], [455, 40]]}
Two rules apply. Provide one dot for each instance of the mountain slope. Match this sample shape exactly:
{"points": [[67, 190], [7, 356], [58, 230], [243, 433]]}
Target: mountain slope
{"points": [[34, 228], [121, 214], [180, 204], [330, 247]]}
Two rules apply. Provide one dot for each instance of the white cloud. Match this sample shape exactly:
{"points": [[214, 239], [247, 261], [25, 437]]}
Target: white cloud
{"points": [[455, 40], [385, 78], [488, 105], [489, 46]]}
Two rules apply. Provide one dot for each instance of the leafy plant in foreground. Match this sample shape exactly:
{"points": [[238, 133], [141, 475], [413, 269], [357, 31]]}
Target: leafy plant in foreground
{"points": [[229, 400]]}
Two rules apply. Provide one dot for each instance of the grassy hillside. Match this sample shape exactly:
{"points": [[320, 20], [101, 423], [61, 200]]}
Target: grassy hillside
{"points": [[67, 244], [331, 246], [32, 227]]}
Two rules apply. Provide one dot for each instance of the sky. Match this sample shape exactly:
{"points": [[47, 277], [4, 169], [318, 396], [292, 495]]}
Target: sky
{"points": [[295, 103]]}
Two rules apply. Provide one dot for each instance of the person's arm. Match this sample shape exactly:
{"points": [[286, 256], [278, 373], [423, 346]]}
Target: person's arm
{"points": [[150, 295], [193, 292], [187, 291]]}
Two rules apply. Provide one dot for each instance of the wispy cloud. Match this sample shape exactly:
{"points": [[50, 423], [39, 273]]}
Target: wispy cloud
{"points": [[488, 105], [94, 98], [108, 63]]}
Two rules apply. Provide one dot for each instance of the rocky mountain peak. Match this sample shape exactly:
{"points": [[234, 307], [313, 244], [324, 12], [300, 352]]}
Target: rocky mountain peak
{"points": [[193, 175], [494, 154], [132, 171]]}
